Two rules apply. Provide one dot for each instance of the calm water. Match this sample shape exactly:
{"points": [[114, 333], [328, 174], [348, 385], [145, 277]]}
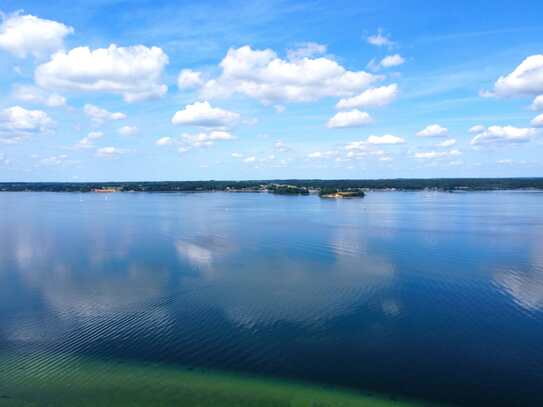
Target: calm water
{"points": [[434, 296]]}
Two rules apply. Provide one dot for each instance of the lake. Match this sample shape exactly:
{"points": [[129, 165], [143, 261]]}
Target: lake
{"points": [[399, 297]]}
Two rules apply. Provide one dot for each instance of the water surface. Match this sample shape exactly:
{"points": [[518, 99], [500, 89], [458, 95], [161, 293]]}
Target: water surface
{"points": [[423, 296]]}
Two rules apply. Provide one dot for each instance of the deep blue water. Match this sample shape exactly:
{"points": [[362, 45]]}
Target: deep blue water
{"points": [[436, 296]]}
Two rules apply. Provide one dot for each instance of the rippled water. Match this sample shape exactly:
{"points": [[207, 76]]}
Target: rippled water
{"points": [[432, 296]]}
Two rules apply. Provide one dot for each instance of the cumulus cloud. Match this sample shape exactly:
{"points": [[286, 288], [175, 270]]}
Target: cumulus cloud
{"points": [[433, 130], [128, 131], [436, 154], [526, 79], [109, 152], [374, 97], [357, 145], [281, 147], [24, 35], [537, 104], [537, 121], [386, 139], [476, 129], [206, 139], [17, 122], [380, 40], [392, 60], [446, 143], [99, 115], [88, 141], [353, 118], [55, 160], [307, 50], [189, 79], [506, 161], [32, 94], [358, 150], [164, 141], [323, 154], [204, 115], [362, 149], [262, 75], [505, 134], [188, 141], [133, 72]]}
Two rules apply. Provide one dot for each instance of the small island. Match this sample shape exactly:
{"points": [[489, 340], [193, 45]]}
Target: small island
{"points": [[337, 193]]}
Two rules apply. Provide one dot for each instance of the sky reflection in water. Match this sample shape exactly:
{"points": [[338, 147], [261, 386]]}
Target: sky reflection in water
{"points": [[423, 294]]}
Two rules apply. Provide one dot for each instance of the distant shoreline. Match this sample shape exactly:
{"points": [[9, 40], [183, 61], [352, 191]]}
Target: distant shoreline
{"points": [[288, 186]]}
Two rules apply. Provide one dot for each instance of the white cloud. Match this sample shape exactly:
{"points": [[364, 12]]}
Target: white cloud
{"points": [[506, 134], [188, 141], [433, 130], [392, 60], [357, 150], [386, 139], [128, 131], [17, 122], [54, 160], [353, 118], [476, 129], [323, 154], [206, 139], [250, 159], [537, 104], [505, 162], [526, 79], [447, 143], [281, 147], [33, 94], [436, 154], [189, 79], [88, 141], [262, 75], [99, 115], [237, 155], [164, 141], [308, 50], [133, 72], [373, 97], [24, 35], [380, 39], [357, 145], [204, 115], [537, 121], [108, 152]]}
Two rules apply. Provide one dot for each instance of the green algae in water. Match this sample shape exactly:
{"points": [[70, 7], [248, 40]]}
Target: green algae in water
{"points": [[45, 380]]}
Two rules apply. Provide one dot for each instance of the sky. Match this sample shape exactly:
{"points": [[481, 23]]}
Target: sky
{"points": [[109, 90]]}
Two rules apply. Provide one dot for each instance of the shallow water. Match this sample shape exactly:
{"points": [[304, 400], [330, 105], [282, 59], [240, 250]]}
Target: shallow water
{"points": [[428, 296]]}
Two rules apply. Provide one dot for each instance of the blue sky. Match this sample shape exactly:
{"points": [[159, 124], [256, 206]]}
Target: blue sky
{"points": [[163, 90]]}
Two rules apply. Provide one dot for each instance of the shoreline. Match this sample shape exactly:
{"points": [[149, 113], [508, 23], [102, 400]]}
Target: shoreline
{"points": [[287, 186]]}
